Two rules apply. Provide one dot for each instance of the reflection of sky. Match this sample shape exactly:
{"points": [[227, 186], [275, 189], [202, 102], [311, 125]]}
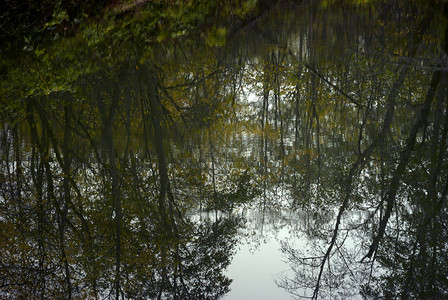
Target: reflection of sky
{"points": [[253, 271], [259, 261]]}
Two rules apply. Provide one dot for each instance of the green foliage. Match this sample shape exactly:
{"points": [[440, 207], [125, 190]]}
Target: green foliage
{"points": [[216, 37]]}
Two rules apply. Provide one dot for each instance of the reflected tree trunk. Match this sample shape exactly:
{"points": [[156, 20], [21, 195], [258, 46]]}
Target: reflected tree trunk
{"points": [[430, 203], [37, 173], [150, 89], [156, 111], [422, 116], [297, 98], [67, 195], [108, 118], [215, 195]]}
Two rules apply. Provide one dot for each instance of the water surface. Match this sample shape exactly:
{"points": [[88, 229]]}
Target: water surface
{"points": [[287, 150]]}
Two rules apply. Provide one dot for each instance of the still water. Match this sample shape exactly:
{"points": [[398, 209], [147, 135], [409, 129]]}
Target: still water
{"points": [[292, 150]]}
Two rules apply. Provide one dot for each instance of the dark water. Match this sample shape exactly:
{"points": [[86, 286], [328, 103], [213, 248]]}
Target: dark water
{"points": [[300, 152]]}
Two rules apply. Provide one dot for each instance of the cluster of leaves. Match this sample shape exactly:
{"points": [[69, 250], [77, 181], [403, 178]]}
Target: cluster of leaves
{"points": [[69, 40]]}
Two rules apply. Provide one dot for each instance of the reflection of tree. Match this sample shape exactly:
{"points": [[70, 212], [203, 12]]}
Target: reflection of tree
{"points": [[102, 167], [203, 260], [419, 258], [315, 272], [95, 223]]}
